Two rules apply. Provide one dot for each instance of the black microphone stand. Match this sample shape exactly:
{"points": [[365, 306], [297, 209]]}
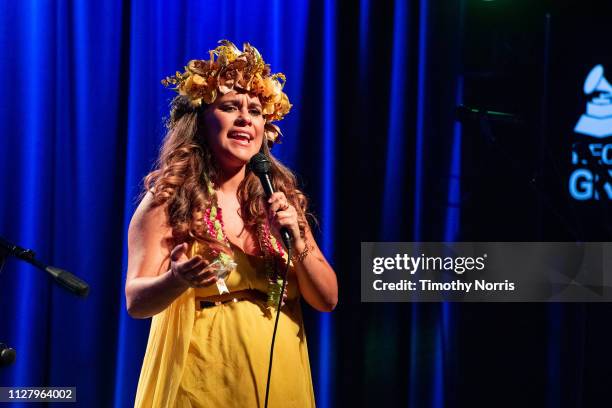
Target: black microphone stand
{"points": [[483, 118], [62, 277], [7, 354]]}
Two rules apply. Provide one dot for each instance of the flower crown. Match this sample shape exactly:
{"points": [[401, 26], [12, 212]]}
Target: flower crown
{"points": [[232, 69]]}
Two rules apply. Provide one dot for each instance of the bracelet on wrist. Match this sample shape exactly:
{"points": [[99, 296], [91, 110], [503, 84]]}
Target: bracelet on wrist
{"points": [[299, 257]]}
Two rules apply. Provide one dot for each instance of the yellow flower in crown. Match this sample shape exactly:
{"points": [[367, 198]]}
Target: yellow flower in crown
{"points": [[229, 69]]}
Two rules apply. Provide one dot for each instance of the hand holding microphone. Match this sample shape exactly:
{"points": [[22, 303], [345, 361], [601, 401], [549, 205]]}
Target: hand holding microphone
{"points": [[283, 215], [260, 165]]}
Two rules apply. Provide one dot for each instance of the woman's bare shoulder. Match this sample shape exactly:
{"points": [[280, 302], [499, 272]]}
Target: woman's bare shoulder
{"points": [[149, 239], [150, 218]]}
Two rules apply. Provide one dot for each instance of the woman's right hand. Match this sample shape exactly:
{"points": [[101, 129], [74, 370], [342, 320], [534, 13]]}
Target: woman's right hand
{"points": [[195, 272]]}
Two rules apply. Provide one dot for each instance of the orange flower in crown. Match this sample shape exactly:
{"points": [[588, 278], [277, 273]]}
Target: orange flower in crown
{"points": [[231, 69]]}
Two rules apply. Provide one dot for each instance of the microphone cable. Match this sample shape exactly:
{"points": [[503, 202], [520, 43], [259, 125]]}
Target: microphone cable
{"points": [[280, 301], [260, 165]]}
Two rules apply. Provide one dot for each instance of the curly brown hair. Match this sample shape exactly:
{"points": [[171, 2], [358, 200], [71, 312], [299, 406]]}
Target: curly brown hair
{"points": [[185, 165]]}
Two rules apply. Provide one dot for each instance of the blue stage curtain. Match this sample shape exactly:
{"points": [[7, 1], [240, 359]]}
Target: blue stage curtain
{"points": [[81, 121]]}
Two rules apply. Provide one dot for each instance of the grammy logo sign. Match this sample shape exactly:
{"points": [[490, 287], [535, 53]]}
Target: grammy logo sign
{"points": [[591, 177], [597, 121]]}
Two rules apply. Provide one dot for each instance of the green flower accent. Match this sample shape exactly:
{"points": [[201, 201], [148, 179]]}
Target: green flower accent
{"points": [[274, 293]]}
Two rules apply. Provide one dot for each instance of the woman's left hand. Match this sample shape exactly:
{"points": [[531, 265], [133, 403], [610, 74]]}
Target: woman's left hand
{"points": [[283, 214]]}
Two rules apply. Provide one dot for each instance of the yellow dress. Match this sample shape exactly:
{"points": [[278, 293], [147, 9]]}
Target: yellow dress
{"points": [[218, 356]]}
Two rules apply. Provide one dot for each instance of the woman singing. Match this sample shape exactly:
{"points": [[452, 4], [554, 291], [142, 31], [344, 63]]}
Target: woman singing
{"points": [[205, 257]]}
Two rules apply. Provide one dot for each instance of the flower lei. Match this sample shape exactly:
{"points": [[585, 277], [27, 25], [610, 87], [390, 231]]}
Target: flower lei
{"points": [[213, 218], [273, 251], [270, 246]]}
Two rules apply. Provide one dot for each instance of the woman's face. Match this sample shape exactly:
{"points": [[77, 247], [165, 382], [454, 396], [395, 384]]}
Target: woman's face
{"points": [[234, 129]]}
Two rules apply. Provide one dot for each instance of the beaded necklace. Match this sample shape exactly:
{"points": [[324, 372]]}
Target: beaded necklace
{"points": [[273, 253], [213, 218], [270, 247]]}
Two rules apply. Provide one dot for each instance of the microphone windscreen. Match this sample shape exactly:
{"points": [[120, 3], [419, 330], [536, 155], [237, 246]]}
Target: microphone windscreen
{"points": [[260, 164]]}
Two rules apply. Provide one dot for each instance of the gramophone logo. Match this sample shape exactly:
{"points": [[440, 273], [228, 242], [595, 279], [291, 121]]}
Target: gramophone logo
{"points": [[597, 121], [591, 178]]}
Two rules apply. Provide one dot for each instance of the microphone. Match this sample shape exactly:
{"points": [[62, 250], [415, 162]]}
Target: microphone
{"points": [[466, 113], [260, 165], [69, 281]]}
